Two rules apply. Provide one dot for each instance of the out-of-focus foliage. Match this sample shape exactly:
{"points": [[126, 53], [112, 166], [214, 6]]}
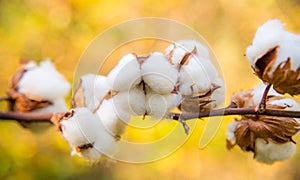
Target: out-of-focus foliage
{"points": [[61, 30]]}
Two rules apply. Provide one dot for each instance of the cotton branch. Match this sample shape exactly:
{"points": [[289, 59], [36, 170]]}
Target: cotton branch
{"points": [[38, 117], [26, 117]]}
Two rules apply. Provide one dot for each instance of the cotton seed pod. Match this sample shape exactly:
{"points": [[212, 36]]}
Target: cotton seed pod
{"points": [[274, 57], [256, 132], [91, 91], [86, 134], [158, 105], [159, 74], [126, 74]]}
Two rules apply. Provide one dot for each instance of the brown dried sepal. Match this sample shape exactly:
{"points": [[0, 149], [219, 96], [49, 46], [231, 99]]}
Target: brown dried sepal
{"points": [[58, 117], [264, 63], [279, 129], [78, 99], [283, 78], [198, 102], [243, 98], [25, 103]]}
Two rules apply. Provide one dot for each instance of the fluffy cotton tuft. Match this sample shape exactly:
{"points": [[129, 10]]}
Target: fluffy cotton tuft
{"points": [[115, 121], [193, 78], [126, 74], [94, 88], [269, 152], [158, 105], [178, 49], [198, 77], [87, 135], [132, 102], [43, 81], [159, 74], [230, 131]]}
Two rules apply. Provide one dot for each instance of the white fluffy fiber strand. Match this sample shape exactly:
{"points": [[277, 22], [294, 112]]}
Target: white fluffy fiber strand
{"points": [[44, 81], [86, 128]]}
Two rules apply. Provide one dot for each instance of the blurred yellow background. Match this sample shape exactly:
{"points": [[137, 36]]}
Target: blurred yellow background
{"points": [[61, 30]]}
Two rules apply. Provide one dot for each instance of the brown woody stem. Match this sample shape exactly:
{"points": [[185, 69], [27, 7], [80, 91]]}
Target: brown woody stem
{"points": [[26, 117], [4, 98], [262, 104], [38, 117]]}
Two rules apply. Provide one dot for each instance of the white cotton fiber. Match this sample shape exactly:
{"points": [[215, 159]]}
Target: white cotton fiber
{"points": [[126, 74], [230, 132], [95, 89], [86, 129], [114, 120], [158, 105], [159, 74], [177, 50], [270, 35], [132, 101], [44, 81], [193, 78], [58, 105], [269, 152]]}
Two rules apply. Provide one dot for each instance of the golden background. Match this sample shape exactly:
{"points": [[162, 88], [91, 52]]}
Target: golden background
{"points": [[61, 30]]}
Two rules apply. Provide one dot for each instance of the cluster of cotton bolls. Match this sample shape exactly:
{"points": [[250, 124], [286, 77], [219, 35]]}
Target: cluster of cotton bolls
{"points": [[274, 56], [38, 88], [139, 86], [269, 138]]}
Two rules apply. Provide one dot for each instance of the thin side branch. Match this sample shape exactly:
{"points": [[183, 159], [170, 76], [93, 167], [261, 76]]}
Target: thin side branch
{"points": [[262, 104]]}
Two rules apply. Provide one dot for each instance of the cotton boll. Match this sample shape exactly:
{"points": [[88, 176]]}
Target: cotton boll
{"points": [[91, 91], [159, 74], [44, 81], [87, 135], [126, 74], [115, 120], [158, 106], [269, 152], [267, 36]]}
